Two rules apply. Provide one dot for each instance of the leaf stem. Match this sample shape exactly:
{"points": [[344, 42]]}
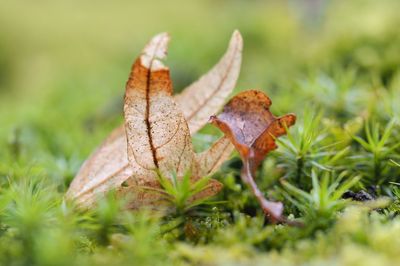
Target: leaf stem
{"points": [[272, 209]]}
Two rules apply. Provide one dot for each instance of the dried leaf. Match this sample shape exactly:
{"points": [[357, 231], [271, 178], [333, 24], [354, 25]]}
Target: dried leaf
{"points": [[166, 147], [252, 128], [157, 133]]}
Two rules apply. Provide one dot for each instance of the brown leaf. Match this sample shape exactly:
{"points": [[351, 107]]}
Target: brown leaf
{"points": [[158, 136], [252, 128], [166, 146], [157, 133]]}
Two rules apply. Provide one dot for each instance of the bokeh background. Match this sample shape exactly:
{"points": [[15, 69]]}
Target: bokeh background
{"points": [[63, 64]]}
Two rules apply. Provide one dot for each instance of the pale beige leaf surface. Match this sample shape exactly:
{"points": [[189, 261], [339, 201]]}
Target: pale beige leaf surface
{"points": [[206, 96], [105, 169], [210, 160]]}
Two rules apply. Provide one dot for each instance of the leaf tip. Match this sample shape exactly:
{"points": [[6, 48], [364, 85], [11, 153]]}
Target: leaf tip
{"points": [[155, 50], [237, 35], [236, 40]]}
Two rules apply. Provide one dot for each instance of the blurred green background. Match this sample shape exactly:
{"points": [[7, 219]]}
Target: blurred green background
{"points": [[63, 64]]}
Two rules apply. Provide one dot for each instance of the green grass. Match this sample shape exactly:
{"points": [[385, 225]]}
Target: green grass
{"points": [[63, 67]]}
